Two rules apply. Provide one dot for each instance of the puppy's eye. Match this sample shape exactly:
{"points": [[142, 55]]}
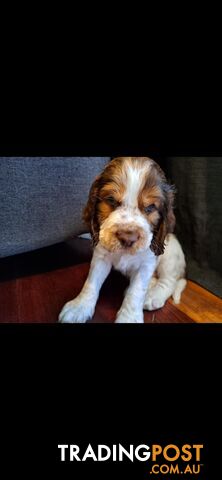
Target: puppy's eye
{"points": [[150, 208], [111, 201]]}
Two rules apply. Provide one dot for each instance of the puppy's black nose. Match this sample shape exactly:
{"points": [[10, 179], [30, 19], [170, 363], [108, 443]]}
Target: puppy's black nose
{"points": [[127, 237]]}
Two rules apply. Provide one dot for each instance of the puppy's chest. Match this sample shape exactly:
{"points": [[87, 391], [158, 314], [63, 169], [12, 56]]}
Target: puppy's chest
{"points": [[126, 264]]}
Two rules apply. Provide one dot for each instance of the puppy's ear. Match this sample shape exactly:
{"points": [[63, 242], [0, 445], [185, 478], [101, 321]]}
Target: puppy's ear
{"points": [[167, 221], [89, 212]]}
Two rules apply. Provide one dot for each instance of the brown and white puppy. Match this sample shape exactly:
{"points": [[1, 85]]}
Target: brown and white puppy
{"points": [[131, 219]]}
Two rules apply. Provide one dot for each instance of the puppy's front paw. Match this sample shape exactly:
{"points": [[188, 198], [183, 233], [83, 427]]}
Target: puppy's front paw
{"points": [[76, 311], [154, 300], [127, 317]]}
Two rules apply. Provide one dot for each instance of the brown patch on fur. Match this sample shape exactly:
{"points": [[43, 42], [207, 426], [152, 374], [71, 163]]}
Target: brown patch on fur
{"points": [[158, 192], [104, 210], [114, 190], [109, 183], [166, 221], [151, 196], [153, 217]]}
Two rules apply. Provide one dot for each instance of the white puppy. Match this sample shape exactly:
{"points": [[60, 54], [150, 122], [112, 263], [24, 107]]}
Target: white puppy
{"points": [[130, 214]]}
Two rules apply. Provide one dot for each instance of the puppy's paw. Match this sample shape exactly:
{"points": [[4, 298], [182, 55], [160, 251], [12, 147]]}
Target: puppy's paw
{"points": [[154, 299], [129, 317], [76, 311]]}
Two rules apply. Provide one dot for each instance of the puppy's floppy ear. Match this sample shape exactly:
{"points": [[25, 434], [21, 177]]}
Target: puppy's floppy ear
{"points": [[89, 212], [167, 221]]}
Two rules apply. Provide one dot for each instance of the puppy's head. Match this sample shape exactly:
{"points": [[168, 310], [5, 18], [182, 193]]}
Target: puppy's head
{"points": [[130, 206]]}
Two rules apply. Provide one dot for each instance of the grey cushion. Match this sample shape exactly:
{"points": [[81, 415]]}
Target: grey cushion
{"points": [[42, 198]]}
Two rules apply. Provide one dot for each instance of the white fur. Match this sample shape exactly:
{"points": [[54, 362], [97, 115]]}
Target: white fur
{"points": [[81, 308], [144, 291], [170, 276], [134, 179], [139, 268], [120, 218]]}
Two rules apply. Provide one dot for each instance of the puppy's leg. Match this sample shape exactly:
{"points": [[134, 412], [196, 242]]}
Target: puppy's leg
{"points": [[158, 295], [82, 308], [171, 281], [131, 310]]}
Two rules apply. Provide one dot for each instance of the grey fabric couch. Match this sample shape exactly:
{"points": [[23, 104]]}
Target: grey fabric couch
{"points": [[42, 198]]}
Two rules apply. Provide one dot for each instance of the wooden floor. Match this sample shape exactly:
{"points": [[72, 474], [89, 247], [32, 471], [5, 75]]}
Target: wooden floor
{"points": [[39, 298], [200, 305], [35, 285]]}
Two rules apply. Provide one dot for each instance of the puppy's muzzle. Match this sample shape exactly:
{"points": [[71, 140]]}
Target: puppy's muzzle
{"points": [[127, 238]]}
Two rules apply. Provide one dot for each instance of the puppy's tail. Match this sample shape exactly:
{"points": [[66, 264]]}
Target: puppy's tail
{"points": [[180, 286]]}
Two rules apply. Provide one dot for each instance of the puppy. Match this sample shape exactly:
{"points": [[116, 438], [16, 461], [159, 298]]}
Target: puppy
{"points": [[130, 216]]}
